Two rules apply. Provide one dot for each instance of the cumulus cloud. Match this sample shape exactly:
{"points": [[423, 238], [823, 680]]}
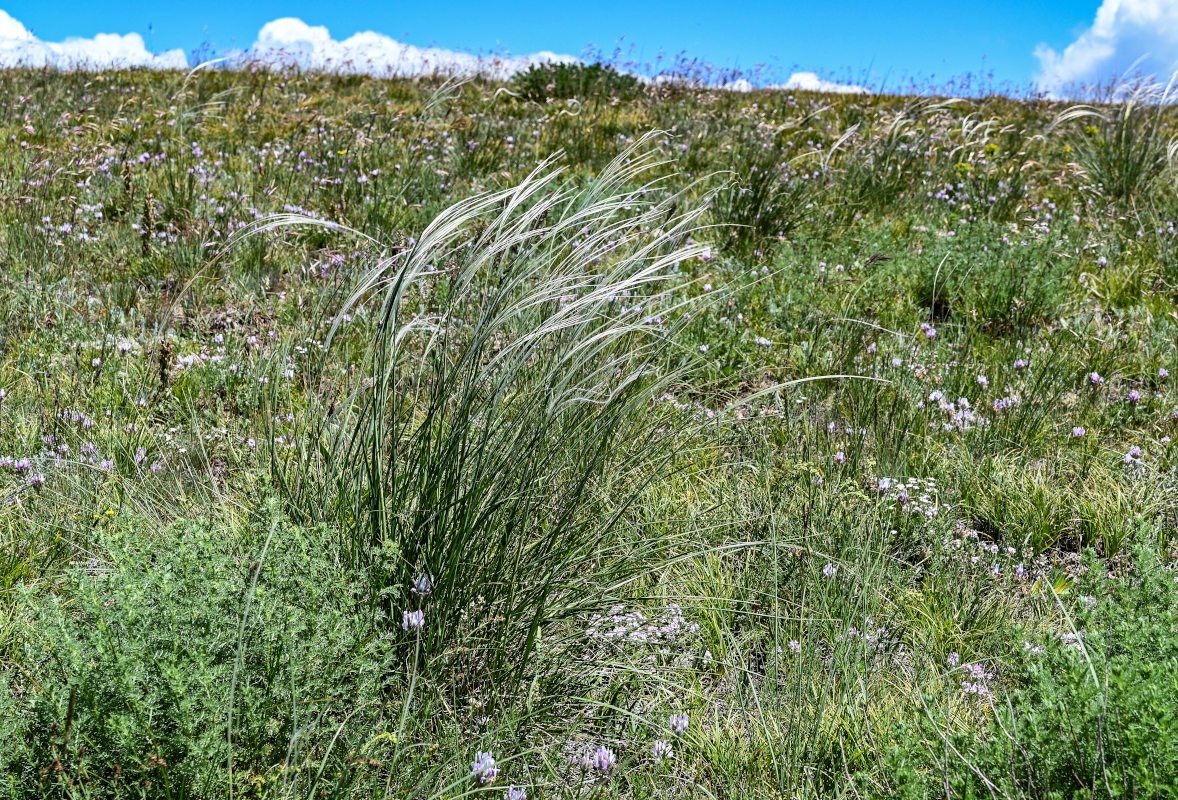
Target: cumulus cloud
{"points": [[284, 42], [1137, 35], [290, 41], [799, 82], [809, 82], [19, 48], [739, 85]]}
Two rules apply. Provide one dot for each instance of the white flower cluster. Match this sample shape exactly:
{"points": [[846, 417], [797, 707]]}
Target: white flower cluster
{"points": [[913, 495]]}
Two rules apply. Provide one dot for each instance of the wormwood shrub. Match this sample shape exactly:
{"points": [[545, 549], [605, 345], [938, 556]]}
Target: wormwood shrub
{"points": [[1092, 713], [180, 665], [1003, 287]]}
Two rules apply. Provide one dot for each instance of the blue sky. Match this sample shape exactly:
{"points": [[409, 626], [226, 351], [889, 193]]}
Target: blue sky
{"points": [[851, 41]]}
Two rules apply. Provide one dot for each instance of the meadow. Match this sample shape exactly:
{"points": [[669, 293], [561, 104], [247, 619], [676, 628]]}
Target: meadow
{"points": [[579, 437]]}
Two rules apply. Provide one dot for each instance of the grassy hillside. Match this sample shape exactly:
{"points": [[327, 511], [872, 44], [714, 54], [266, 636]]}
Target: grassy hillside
{"points": [[578, 438]]}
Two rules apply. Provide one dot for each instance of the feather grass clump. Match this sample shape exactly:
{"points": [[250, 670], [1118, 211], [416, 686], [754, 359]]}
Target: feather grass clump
{"points": [[510, 416]]}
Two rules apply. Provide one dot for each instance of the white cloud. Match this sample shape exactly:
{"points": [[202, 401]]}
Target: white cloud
{"points": [[286, 41], [1137, 35], [291, 41], [809, 82], [19, 48], [739, 85], [799, 82]]}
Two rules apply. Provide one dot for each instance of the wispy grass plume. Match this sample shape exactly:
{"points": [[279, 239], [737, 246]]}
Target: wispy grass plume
{"points": [[522, 346]]}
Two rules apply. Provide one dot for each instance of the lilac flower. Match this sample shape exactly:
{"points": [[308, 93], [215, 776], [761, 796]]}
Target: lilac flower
{"points": [[983, 381], [829, 570], [661, 750], [604, 759], [1163, 372], [1134, 396], [795, 646], [1003, 403], [1077, 432], [484, 767], [761, 340], [976, 686], [1133, 456], [106, 464], [840, 457], [678, 724], [423, 585], [514, 793], [37, 480], [1095, 379], [413, 620], [1021, 364]]}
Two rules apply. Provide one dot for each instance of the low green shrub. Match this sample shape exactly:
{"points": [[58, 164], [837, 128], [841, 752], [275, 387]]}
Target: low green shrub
{"points": [[1090, 712], [187, 665], [581, 81]]}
